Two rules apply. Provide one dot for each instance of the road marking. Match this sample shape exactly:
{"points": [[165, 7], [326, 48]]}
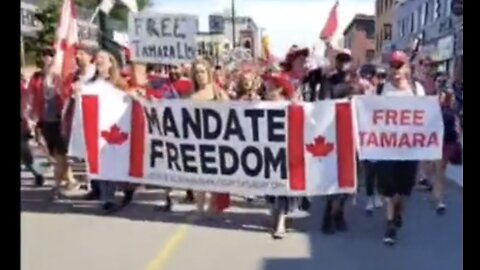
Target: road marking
{"points": [[170, 247]]}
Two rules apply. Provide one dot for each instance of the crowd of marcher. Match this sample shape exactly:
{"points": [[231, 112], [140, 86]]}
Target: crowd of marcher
{"points": [[48, 102]]}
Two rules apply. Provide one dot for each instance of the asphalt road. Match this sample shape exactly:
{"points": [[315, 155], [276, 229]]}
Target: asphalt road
{"points": [[73, 235]]}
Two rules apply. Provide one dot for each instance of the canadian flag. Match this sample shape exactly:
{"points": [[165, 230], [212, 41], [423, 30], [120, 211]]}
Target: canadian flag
{"points": [[66, 39], [321, 143], [101, 130], [331, 25]]}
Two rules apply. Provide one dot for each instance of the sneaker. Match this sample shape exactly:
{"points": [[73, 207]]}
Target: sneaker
{"points": [[441, 209], [370, 205], [424, 184], [378, 202], [390, 234], [278, 235], [340, 223], [39, 180]]}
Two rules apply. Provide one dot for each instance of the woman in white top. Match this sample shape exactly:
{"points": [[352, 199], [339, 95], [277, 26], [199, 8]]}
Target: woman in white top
{"points": [[396, 178]]}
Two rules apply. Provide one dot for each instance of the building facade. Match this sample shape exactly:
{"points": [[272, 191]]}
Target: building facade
{"points": [[384, 10], [457, 10], [359, 38], [212, 45], [247, 33], [430, 23]]}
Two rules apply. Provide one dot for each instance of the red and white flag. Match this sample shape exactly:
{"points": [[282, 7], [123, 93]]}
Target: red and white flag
{"points": [[306, 149], [66, 39], [331, 25]]}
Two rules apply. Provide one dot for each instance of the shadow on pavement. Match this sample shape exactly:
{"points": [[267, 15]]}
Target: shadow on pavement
{"points": [[426, 241], [146, 206]]}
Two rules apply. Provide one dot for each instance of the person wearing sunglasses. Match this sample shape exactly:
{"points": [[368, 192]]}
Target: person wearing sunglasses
{"points": [[396, 178]]}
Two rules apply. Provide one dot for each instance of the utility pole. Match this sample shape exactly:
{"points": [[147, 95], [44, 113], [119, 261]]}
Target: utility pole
{"points": [[102, 19], [233, 24]]}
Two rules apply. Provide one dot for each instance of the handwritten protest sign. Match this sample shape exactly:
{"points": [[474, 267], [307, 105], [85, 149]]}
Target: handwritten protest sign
{"points": [[261, 148], [162, 38], [399, 128]]}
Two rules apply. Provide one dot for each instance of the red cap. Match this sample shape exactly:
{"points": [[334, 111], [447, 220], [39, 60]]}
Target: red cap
{"points": [[399, 57]]}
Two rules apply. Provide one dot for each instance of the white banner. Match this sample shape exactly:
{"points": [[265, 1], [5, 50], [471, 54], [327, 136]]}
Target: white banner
{"points": [[162, 38], [276, 148], [399, 128]]}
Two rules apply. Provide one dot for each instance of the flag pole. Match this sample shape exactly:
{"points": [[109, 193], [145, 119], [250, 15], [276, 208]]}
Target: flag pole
{"points": [[94, 15], [233, 24]]}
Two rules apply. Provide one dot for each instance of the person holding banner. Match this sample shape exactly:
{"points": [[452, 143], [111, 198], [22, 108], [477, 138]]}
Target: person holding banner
{"points": [[280, 89], [72, 84], [108, 70], [205, 89], [246, 88], [336, 85], [397, 178]]}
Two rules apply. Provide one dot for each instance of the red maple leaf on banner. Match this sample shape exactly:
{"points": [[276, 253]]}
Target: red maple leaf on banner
{"points": [[320, 148], [115, 135]]}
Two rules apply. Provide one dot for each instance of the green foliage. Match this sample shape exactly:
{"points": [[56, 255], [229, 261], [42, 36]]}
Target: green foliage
{"points": [[48, 16], [120, 12]]}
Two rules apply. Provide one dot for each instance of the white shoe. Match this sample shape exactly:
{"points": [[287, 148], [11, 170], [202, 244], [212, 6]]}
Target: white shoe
{"points": [[378, 202], [370, 205]]}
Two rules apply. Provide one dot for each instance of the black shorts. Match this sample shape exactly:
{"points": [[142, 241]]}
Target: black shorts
{"points": [[396, 177], [51, 132]]}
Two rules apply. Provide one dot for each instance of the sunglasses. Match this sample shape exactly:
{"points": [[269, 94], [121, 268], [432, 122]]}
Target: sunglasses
{"points": [[344, 58], [396, 64]]}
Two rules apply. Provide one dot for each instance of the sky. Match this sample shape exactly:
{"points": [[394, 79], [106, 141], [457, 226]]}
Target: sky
{"points": [[286, 22]]}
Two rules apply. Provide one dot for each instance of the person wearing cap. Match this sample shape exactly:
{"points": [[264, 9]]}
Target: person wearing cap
{"points": [[396, 178], [47, 100]]}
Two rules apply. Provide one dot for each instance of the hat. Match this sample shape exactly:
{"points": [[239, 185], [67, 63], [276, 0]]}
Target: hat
{"points": [[294, 54], [399, 57], [91, 50]]}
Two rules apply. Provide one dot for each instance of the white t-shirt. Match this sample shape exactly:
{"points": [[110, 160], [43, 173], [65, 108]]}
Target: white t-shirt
{"points": [[90, 72], [390, 90]]}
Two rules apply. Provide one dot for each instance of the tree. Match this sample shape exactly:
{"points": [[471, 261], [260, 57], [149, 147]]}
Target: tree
{"points": [[120, 12], [48, 16]]}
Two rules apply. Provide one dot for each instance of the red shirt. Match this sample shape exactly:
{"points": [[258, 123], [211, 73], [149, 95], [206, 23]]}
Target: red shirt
{"points": [[36, 89], [184, 87]]}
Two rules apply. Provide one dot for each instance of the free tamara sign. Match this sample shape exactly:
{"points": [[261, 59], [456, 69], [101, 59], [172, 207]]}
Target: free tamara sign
{"points": [[399, 128]]}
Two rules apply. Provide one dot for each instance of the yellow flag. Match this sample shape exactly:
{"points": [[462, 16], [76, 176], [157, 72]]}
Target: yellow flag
{"points": [[266, 47]]}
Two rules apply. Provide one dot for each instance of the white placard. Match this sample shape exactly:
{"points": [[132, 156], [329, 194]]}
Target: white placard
{"points": [[399, 128], [162, 38]]}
